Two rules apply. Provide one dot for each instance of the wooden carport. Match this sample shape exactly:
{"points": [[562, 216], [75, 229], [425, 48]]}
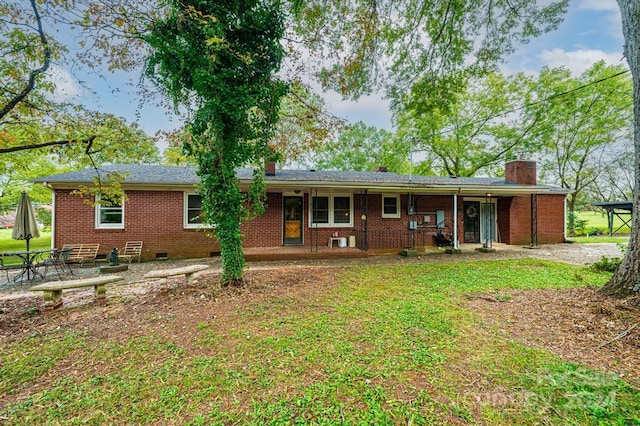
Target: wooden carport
{"points": [[618, 209]]}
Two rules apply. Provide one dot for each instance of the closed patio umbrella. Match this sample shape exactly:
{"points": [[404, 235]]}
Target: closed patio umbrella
{"points": [[25, 226]]}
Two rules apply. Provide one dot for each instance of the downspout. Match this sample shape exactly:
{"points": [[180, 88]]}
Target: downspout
{"points": [[564, 226], [455, 220]]}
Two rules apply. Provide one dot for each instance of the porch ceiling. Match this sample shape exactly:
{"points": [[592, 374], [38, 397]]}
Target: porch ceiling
{"points": [[476, 190]]}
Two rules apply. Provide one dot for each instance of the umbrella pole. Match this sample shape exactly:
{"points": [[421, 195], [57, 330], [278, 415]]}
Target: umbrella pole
{"points": [[28, 263]]}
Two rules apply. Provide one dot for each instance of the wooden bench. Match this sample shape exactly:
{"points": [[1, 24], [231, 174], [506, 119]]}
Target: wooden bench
{"points": [[53, 290], [187, 271], [82, 253]]}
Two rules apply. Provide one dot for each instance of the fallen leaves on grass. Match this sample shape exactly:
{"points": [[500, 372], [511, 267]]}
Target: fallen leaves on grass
{"points": [[578, 324]]}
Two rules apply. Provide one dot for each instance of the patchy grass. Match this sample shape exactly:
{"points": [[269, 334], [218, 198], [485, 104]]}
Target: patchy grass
{"points": [[379, 345]]}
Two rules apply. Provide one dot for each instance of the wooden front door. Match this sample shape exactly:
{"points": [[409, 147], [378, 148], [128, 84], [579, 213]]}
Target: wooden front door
{"points": [[292, 225], [471, 221]]}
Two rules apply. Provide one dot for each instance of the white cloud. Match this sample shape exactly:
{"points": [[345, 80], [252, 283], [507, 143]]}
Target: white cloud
{"points": [[579, 60], [609, 5], [66, 86]]}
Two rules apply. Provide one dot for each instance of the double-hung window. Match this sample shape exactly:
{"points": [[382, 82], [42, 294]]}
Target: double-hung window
{"points": [[109, 212], [331, 211], [390, 206], [192, 210]]}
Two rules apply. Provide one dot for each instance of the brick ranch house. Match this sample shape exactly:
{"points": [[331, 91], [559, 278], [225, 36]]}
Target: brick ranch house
{"points": [[367, 212]]}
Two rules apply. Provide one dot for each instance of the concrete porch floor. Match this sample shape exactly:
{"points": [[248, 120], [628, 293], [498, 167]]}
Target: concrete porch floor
{"points": [[261, 254], [322, 251]]}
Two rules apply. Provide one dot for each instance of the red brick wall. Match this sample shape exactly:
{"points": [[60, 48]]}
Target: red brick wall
{"points": [[518, 230], [514, 219], [156, 218], [550, 219], [265, 230]]}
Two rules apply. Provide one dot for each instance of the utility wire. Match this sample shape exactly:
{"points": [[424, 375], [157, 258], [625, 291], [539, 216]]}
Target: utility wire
{"points": [[548, 98], [557, 95]]}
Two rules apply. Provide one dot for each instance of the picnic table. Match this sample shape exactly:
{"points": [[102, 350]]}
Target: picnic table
{"points": [[29, 262]]}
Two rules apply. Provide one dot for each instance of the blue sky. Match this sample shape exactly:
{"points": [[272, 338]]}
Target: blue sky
{"points": [[591, 31]]}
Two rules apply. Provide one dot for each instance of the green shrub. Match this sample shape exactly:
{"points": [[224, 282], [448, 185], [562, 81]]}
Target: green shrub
{"points": [[607, 264], [594, 231], [575, 224]]}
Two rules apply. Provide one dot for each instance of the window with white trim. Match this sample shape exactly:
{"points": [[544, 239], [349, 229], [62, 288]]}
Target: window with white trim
{"points": [[192, 210], [331, 211], [109, 212], [391, 206]]}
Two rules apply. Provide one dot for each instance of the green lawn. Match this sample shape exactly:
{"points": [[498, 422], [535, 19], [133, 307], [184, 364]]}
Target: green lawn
{"points": [[386, 345], [599, 221]]}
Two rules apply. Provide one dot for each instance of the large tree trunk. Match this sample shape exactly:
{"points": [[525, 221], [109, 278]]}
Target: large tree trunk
{"points": [[626, 280]]}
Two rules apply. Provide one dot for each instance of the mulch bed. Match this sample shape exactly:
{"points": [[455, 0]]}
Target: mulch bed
{"points": [[578, 324]]}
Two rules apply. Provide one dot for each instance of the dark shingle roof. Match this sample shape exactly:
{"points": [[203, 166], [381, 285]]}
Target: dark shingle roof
{"points": [[139, 174], [135, 174]]}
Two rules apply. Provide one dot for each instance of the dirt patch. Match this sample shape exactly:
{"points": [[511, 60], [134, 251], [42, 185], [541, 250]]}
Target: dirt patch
{"points": [[579, 325], [137, 308]]}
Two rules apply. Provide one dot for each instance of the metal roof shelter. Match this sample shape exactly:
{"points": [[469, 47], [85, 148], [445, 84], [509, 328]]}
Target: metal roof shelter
{"points": [[617, 208]]}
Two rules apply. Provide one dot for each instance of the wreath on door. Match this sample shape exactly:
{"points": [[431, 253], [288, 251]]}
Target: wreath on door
{"points": [[472, 212]]}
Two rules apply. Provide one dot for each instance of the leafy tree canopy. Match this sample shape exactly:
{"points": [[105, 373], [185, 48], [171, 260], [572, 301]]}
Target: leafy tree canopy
{"points": [[581, 120], [362, 148], [423, 49], [41, 131]]}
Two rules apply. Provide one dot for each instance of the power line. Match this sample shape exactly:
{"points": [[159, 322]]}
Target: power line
{"points": [[548, 98], [556, 95]]}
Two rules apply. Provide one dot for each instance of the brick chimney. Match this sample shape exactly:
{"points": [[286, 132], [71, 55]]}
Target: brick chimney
{"points": [[521, 172], [380, 169], [270, 168]]}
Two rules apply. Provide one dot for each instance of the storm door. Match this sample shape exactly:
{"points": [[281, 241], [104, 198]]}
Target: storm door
{"points": [[471, 221], [292, 220], [487, 223]]}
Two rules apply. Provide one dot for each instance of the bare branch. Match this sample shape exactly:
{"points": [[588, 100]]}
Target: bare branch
{"points": [[34, 73], [88, 141]]}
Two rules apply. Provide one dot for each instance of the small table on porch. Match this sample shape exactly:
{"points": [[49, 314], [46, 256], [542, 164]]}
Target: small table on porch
{"points": [[342, 241]]}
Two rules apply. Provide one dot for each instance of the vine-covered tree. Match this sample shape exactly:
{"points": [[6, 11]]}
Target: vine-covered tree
{"points": [[219, 59], [626, 279]]}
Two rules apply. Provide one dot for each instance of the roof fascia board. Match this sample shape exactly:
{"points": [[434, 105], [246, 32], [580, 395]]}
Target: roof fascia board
{"points": [[503, 190], [125, 186]]}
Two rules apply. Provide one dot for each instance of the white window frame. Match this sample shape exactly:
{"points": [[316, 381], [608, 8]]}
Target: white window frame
{"points": [[185, 213], [98, 215], [331, 223], [395, 215]]}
